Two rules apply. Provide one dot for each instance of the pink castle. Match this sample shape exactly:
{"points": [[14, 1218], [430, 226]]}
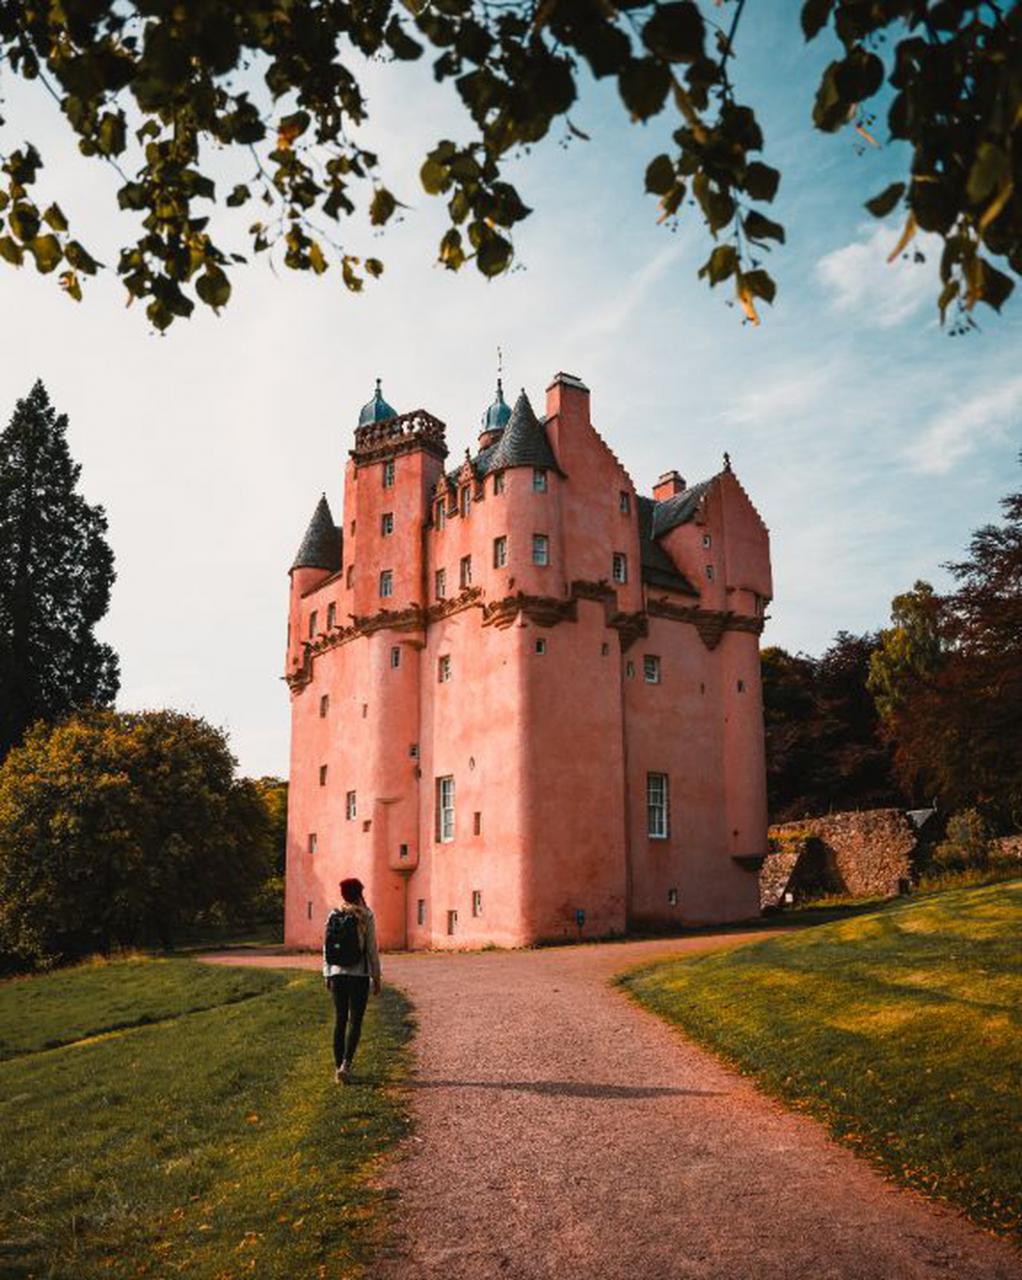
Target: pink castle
{"points": [[525, 699]]}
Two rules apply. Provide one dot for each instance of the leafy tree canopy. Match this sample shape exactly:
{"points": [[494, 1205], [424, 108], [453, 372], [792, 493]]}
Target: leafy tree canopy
{"points": [[155, 86], [117, 829], [911, 649], [56, 571]]}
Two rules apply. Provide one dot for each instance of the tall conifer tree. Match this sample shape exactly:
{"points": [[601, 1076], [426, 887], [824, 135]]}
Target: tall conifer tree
{"points": [[56, 571]]}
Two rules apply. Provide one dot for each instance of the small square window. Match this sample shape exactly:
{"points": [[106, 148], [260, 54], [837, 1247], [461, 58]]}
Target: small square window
{"points": [[541, 646], [465, 499], [387, 523], [413, 751], [540, 548], [498, 482], [395, 656], [349, 577], [350, 806], [741, 686], [539, 483], [420, 911], [312, 842], [624, 502], [452, 921], [629, 668], [499, 552], [651, 669], [707, 541], [322, 775], [477, 824], [619, 567], [477, 902], [440, 581], [388, 474], [443, 668], [331, 616], [386, 583], [465, 570], [402, 851], [709, 573], [672, 897], [324, 705], [313, 623]]}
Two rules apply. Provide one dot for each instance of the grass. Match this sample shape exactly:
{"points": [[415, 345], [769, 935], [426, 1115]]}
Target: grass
{"points": [[901, 1029], [210, 1144]]}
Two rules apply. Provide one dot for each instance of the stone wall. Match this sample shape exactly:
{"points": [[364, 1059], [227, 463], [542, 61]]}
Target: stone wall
{"points": [[859, 853]]}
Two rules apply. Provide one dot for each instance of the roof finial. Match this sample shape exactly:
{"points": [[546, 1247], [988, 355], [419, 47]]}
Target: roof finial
{"points": [[500, 365], [727, 461]]}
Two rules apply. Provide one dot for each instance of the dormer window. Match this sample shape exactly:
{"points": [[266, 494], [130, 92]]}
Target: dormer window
{"points": [[466, 499], [388, 474], [539, 483]]}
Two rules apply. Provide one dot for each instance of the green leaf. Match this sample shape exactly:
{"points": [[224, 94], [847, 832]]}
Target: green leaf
{"points": [[434, 176], [881, 205], [238, 196], [24, 221], [112, 134], [374, 266], [213, 288], [47, 252], [660, 175], [316, 260], [644, 84], [382, 206], [757, 227], [80, 258], [761, 180], [995, 286], [815, 15], [760, 284], [494, 252], [11, 251], [54, 218], [990, 168], [675, 32], [721, 264]]}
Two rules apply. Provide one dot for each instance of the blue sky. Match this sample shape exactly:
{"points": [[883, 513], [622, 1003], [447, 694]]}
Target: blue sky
{"points": [[871, 442]]}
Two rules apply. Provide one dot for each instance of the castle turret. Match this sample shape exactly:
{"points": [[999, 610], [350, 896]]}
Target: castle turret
{"points": [[318, 558]]}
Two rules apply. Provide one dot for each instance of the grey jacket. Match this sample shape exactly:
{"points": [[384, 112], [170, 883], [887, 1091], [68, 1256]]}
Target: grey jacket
{"points": [[370, 963]]}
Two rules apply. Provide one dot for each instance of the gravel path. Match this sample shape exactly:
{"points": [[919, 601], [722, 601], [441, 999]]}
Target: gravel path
{"points": [[564, 1132]]}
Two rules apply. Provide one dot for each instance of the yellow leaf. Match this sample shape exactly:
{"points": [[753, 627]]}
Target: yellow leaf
{"points": [[864, 133], [996, 205], [745, 298], [906, 235]]}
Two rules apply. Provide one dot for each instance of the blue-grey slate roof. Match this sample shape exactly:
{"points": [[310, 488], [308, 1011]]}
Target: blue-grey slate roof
{"points": [[658, 569], [321, 546], [680, 509], [376, 409], [524, 442]]}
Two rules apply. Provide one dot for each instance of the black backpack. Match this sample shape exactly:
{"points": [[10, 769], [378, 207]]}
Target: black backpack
{"points": [[342, 946]]}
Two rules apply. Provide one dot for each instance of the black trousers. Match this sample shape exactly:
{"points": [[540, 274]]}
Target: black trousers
{"points": [[351, 994]]}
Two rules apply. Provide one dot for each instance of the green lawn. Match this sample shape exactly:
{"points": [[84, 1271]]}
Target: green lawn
{"points": [[210, 1142], [901, 1029]]}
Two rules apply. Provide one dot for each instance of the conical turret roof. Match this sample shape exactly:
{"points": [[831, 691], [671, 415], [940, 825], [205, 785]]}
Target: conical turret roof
{"points": [[321, 546], [376, 409], [524, 442]]}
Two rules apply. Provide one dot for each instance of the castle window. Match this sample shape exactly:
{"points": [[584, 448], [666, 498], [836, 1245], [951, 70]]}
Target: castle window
{"points": [[395, 656], [388, 474], [331, 616], [445, 809], [420, 911], [402, 851], [322, 775], [466, 571], [477, 824], [629, 668], [443, 668], [452, 921], [413, 751], [672, 897], [387, 583], [619, 567], [387, 523], [477, 902], [309, 910], [707, 541], [539, 480], [324, 705], [440, 578], [498, 483], [499, 552], [466, 499], [350, 806], [540, 548], [353, 528], [350, 576], [624, 502], [541, 646], [657, 806], [441, 514], [312, 842], [709, 573], [651, 669], [313, 620]]}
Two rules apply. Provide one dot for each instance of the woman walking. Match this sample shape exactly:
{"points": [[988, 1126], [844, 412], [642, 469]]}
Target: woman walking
{"points": [[351, 961]]}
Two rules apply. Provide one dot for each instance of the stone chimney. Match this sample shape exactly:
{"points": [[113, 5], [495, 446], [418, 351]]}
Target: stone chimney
{"points": [[668, 485]]}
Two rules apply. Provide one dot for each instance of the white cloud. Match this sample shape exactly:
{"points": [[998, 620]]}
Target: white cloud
{"points": [[965, 426], [859, 278]]}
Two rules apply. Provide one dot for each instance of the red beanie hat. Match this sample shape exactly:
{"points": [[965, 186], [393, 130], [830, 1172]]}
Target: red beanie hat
{"points": [[351, 889]]}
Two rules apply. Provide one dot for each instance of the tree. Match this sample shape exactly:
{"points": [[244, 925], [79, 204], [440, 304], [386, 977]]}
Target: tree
{"points": [[909, 651], [119, 828], [273, 793], [155, 88], [56, 571], [958, 728], [824, 748]]}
